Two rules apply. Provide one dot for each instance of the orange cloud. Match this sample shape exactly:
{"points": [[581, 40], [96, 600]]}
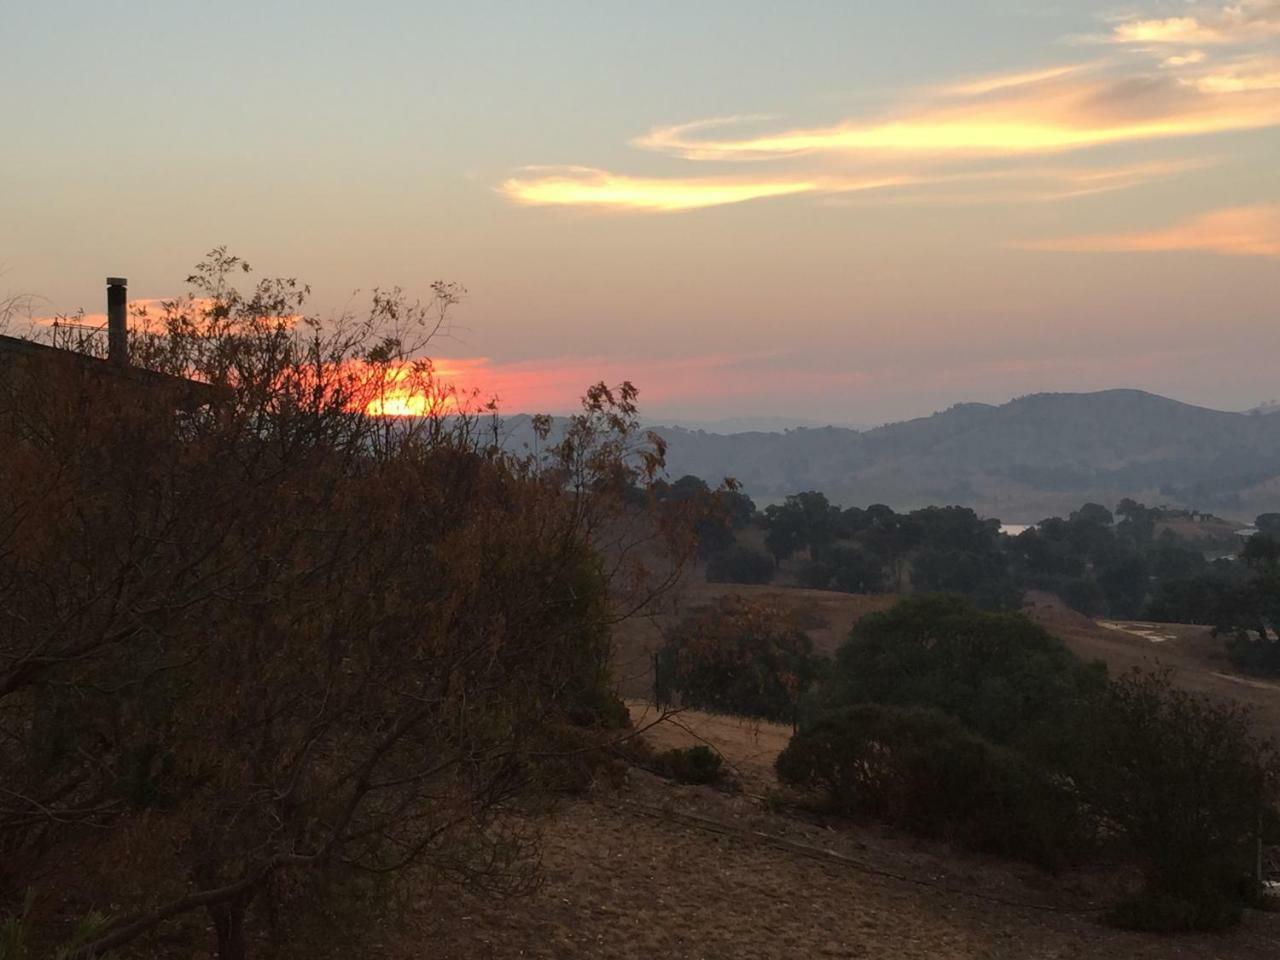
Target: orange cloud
{"points": [[146, 314], [1252, 231]]}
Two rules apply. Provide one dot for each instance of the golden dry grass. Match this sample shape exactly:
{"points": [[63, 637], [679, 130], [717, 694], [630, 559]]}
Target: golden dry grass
{"points": [[633, 874], [1194, 656]]}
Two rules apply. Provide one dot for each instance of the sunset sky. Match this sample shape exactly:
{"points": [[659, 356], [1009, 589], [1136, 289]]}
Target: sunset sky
{"points": [[846, 212]]}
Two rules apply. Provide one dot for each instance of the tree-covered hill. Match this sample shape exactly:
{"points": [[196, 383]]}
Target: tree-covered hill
{"points": [[1021, 461]]}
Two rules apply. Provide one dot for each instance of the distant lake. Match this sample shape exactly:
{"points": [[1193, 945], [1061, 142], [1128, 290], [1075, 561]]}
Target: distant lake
{"points": [[1013, 529]]}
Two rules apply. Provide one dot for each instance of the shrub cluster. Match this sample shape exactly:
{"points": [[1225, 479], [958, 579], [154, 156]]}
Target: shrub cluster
{"points": [[983, 729], [922, 770], [738, 656], [698, 764]]}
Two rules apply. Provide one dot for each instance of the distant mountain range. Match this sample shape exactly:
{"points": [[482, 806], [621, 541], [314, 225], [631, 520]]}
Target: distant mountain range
{"points": [[751, 424], [1033, 457]]}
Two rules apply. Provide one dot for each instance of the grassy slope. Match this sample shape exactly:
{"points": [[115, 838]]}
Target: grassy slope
{"points": [[631, 875], [624, 883]]}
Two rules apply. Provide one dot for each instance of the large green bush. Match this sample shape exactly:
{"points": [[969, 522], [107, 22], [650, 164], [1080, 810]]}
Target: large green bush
{"points": [[1001, 675]]}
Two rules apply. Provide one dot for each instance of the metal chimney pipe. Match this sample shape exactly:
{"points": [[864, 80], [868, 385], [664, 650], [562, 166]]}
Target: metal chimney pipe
{"points": [[117, 320]]}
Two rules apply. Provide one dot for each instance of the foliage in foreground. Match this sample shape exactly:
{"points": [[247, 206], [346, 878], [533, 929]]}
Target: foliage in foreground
{"points": [[257, 644]]}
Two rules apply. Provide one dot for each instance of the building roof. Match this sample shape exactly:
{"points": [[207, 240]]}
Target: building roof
{"points": [[192, 392]]}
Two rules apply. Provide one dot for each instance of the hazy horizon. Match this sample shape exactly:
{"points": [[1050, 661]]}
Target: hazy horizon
{"points": [[858, 214]]}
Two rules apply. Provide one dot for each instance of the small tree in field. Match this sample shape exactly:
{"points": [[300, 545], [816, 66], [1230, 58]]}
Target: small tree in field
{"points": [[740, 564], [739, 656]]}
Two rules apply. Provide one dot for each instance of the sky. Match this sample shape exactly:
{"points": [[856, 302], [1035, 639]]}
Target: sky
{"points": [[847, 212]]}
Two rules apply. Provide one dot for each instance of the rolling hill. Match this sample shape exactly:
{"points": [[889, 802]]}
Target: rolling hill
{"points": [[1021, 461]]}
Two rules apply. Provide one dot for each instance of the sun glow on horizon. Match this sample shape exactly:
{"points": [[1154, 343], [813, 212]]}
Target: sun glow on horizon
{"points": [[415, 388]]}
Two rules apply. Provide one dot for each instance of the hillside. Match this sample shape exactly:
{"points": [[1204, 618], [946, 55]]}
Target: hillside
{"points": [[652, 870], [1196, 659], [640, 868], [1021, 461]]}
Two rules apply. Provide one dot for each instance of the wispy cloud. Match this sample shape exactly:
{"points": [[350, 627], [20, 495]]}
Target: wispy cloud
{"points": [[1057, 113], [146, 314], [985, 85], [1171, 91], [1034, 184], [1252, 231], [1184, 59], [587, 187], [1252, 74], [1243, 21]]}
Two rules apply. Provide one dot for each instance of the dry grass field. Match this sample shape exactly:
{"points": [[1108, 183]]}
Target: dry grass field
{"points": [[1190, 652], [653, 870]]}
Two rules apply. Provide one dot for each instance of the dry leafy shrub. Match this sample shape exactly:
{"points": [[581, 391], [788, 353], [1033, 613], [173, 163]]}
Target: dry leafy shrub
{"points": [[698, 764]]}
